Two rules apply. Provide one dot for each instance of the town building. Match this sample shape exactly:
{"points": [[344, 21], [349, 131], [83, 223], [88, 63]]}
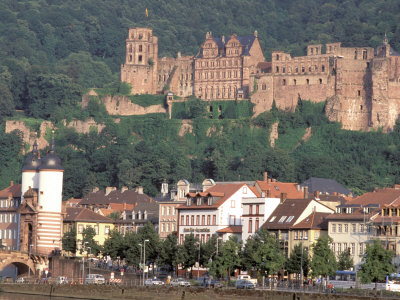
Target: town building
{"points": [[79, 219], [325, 186], [10, 199], [217, 210], [363, 219], [289, 213]]}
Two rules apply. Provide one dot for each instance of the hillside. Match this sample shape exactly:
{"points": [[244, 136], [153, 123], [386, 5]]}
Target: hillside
{"points": [[52, 52]]}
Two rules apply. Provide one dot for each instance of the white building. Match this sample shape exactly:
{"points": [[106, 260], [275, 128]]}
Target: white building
{"points": [[217, 210]]}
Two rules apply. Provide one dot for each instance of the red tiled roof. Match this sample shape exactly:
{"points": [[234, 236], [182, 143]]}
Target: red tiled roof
{"points": [[316, 220], [14, 190], [223, 191], [84, 215], [380, 196], [231, 229], [276, 188]]}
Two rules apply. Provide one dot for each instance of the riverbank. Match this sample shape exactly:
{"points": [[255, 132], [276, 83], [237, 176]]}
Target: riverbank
{"points": [[162, 292]]}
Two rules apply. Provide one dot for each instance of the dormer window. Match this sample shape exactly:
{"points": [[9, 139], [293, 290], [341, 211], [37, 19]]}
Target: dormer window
{"points": [[189, 202], [199, 201], [209, 201]]}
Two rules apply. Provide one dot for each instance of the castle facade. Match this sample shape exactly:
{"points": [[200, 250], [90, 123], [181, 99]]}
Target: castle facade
{"points": [[360, 84]]}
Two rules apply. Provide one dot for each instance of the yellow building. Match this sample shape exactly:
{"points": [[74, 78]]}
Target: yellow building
{"points": [[309, 230], [81, 218]]}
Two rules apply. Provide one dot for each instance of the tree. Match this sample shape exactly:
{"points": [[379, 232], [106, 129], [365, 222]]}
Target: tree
{"points": [[88, 235], [227, 258], [148, 232], [293, 264], [345, 260], [115, 215], [189, 251], [376, 263], [115, 245], [168, 254], [323, 262], [69, 241], [262, 252]]}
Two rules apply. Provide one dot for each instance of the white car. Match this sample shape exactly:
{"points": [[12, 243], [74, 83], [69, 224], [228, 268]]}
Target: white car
{"points": [[153, 281], [95, 279], [20, 280], [179, 282]]}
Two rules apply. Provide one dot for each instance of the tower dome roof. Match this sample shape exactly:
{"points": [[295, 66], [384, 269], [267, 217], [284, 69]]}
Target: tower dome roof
{"points": [[32, 161], [51, 161]]}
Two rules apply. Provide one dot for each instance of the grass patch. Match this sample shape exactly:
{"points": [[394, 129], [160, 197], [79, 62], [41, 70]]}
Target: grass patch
{"points": [[147, 100], [290, 139]]}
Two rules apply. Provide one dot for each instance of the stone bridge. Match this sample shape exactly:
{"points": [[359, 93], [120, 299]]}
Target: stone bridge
{"points": [[22, 260]]}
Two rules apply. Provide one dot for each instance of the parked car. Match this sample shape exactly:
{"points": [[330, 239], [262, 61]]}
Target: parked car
{"points": [[20, 280], [62, 280], [153, 281], [214, 284], [248, 278], [244, 284], [95, 279], [179, 282]]}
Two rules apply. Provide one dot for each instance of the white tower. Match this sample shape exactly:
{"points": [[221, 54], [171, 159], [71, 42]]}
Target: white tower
{"points": [[49, 231], [30, 172]]}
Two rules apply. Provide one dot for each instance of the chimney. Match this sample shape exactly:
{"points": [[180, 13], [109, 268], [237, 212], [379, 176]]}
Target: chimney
{"points": [[316, 194], [95, 189], [11, 183], [262, 194], [268, 180], [265, 176], [124, 188], [298, 187], [306, 192], [109, 189], [139, 190], [268, 193], [273, 179], [164, 188], [283, 197], [334, 194]]}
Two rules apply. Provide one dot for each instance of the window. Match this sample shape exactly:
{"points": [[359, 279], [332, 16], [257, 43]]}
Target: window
{"points": [[169, 211], [320, 81], [208, 220], [245, 190], [256, 225], [353, 228], [203, 220], [305, 236], [353, 249], [197, 220], [333, 247], [1, 218], [80, 228], [301, 234], [106, 230], [250, 226], [264, 86], [339, 247], [361, 227], [232, 203], [96, 229], [214, 219], [257, 209], [361, 249], [345, 248], [308, 81], [323, 68], [232, 220], [187, 220], [5, 218], [283, 81], [333, 227], [358, 93], [289, 219], [162, 227], [192, 219], [296, 235], [294, 82], [140, 48], [168, 227], [182, 220], [282, 219], [340, 228], [163, 211], [140, 58], [250, 209], [346, 228]]}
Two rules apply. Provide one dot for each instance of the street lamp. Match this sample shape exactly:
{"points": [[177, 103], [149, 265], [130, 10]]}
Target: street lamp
{"points": [[140, 261], [90, 250], [144, 257]]}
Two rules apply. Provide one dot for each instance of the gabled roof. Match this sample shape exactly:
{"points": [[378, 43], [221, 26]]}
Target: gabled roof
{"points": [[286, 214], [221, 191], [14, 190], [116, 196], [245, 41], [316, 220], [276, 188], [81, 214], [325, 185]]}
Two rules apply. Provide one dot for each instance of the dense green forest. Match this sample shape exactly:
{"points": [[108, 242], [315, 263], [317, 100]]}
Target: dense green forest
{"points": [[52, 52]]}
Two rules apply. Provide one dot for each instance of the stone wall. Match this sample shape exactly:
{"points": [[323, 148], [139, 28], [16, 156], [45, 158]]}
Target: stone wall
{"points": [[161, 293], [123, 106]]}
